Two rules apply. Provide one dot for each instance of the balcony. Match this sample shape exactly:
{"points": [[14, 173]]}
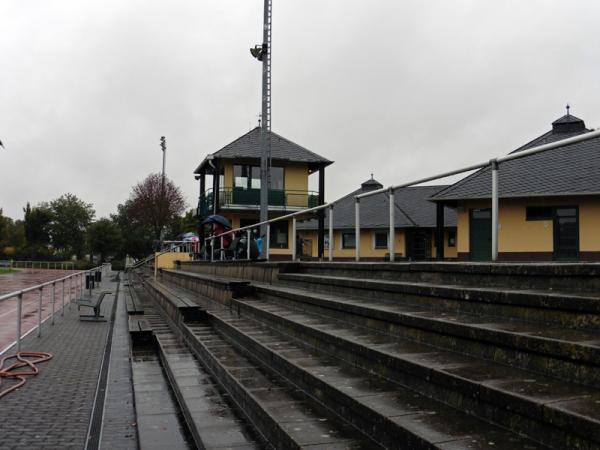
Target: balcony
{"points": [[249, 200]]}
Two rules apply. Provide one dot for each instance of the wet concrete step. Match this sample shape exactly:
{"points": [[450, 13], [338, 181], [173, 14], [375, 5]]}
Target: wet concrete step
{"points": [[561, 277], [206, 409], [159, 423], [559, 414], [392, 415], [567, 310], [570, 354], [280, 412]]}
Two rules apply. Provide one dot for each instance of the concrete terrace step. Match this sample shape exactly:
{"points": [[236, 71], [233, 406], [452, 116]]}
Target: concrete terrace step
{"points": [[159, 423], [210, 419], [556, 413], [558, 277], [394, 416], [277, 409], [566, 353], [576, 311]]}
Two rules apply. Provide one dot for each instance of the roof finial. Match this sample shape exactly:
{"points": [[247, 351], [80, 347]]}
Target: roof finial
{"points": [[259, 119], [372, 176], [568, 108]]}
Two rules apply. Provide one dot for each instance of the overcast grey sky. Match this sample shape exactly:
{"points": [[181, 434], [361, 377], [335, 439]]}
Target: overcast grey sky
{"points": [[402, 89]]}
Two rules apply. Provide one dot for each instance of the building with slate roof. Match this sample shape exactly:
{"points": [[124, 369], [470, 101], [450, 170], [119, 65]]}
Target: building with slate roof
{"points": [[549, 202], [415, 222], [236, 184]]}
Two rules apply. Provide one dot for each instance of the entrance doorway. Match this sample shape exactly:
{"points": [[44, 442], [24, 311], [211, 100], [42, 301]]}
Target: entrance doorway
{"points": [[480, 234], [566, 234], [418, 244]]}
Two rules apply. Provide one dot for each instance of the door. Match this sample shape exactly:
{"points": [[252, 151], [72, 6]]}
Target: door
{"points": [[480, 234], [566, 234], [418, 244]]}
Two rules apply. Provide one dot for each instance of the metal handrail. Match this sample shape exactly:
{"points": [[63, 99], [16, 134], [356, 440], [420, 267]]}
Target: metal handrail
{"points": [[494, 165], [268, 223], [17, 264], [19, 295]]}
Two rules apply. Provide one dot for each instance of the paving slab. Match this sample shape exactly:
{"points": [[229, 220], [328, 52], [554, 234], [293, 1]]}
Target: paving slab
{"points": [[53, 409]]}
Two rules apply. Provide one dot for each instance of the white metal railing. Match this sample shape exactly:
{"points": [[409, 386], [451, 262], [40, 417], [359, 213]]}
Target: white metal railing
{"points": [[266, 243], [494, 165], [55, 265], [77, 278]]}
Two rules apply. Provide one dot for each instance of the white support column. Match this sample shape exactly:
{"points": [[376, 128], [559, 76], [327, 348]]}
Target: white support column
{"points": [[494, 167], [294, 239], [330, 249], [391, 234], [357, 229], [267, 242]]}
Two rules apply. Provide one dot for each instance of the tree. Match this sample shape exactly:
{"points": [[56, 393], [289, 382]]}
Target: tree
{"points": [[104, 238], [38, 222], [12, 236], [156, 204], [136, 237], [71, 216]]}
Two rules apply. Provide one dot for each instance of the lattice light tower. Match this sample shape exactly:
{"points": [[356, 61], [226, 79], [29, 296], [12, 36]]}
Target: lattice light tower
{"points": [[263, 53]]}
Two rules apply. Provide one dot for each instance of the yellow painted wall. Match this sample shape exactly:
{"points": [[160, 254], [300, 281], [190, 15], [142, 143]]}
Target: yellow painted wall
{"points": [[167, 260], [367, 249], [519, 235]]}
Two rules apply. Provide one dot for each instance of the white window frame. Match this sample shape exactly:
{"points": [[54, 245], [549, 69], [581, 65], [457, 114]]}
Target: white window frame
{"points": [[374, 239]]}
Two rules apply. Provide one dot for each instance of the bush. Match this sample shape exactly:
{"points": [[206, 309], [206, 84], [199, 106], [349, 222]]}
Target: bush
{"points": [[118, 264]]}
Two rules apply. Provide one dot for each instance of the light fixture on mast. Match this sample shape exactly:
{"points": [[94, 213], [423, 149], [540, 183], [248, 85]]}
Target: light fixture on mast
{"points": [[262, 52]]}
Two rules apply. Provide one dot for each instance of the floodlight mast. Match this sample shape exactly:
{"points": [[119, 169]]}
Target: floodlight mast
{"points": [[265, 130]]}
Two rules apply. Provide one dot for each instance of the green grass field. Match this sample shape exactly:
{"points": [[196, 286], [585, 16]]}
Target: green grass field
{"points": [[5, 270]]}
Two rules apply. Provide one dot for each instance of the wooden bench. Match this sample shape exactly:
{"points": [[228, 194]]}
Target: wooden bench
{"points": [[132, 302], [140, 330], [95, 304]]}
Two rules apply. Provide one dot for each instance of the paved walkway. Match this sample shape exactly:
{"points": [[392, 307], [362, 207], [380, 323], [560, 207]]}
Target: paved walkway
{"points": [[23, 279], [53, 409]]}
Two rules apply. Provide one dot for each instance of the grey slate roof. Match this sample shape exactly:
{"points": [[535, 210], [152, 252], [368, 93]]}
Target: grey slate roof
{"points": [[282, 149], [412, 209], [570, 170]]}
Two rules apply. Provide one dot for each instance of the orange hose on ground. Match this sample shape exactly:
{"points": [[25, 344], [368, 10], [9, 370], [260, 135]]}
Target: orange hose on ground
{"points": [[9, 372]]}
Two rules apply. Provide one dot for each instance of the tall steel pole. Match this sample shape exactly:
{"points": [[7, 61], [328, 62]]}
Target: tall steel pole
{"points": [[265, 131], [163, 146]]}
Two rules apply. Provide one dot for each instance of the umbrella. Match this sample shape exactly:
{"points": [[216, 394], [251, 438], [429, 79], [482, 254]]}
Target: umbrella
{"points": [[217, 219]]}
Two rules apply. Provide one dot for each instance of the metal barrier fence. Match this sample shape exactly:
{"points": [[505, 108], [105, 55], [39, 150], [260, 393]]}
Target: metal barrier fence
{"points": [[76, 279], [266, 243], [494, 165], [55, 265]]}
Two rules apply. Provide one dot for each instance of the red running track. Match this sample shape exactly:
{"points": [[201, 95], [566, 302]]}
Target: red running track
{"points": [[29, 318]]}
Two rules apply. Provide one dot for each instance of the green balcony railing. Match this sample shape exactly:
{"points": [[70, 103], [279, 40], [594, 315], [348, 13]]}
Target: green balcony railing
{"points": [[238, 197]]}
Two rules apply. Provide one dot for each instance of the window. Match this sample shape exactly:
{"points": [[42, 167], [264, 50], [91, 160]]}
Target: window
{"points": [[452, 238], [277, 179], [538, 213], [348, 240], [326, 242], [248, 177], [279, 234], [380, 239]]}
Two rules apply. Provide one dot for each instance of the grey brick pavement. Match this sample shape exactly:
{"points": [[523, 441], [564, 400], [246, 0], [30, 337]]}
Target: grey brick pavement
{"points": [[52, 411], [118, 425]]}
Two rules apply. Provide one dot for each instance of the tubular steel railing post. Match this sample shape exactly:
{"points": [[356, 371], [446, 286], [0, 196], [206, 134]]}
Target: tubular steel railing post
{"points": [[248, 243], [53, 300], [39, 333], [70, 292], [62, 311], [19, 311], [212, 249], [392, 237], [494, 166], [294, 240], [222, 249], [267, 244], [357, 229], [330, 249]]}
